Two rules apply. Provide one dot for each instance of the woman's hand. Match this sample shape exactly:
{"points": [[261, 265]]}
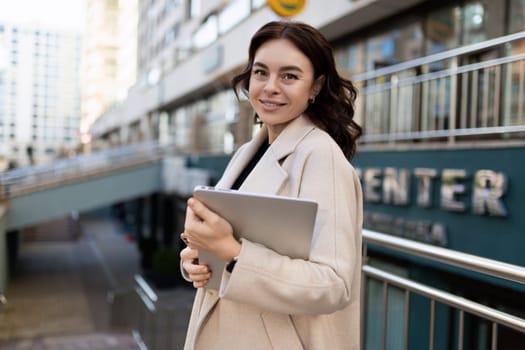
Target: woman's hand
{"points": [[205, 230], [199, 274]]}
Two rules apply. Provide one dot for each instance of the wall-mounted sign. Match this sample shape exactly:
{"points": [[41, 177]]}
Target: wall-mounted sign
{"points": [[392, 186], [465, 199], [286, 8]]}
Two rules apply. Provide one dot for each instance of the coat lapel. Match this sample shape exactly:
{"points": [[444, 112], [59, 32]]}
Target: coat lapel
{"points": [[268, 176]]}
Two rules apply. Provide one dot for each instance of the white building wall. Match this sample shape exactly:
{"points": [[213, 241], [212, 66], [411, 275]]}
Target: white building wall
{"points": [[230, 50]]}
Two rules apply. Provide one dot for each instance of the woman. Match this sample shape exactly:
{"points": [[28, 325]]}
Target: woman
{"points": [[266, 300]]}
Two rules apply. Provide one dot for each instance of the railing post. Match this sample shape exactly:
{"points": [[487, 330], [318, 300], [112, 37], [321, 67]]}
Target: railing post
{"points": [[385, 317], [452, 103], [4, 270], [494, 340], [363, 296], [394, 93]]}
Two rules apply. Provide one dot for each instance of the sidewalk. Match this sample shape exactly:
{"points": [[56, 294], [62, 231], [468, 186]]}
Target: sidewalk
{"points": [[58, 298]]}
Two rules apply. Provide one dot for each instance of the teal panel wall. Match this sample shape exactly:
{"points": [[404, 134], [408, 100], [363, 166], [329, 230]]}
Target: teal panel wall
{"points": [[500, 238], [215, 164], [38, 206]]}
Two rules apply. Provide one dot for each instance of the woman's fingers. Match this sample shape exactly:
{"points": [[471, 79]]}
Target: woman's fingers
{"points": [[200, 210], [199, 274], [189, 254], [200, 284]]}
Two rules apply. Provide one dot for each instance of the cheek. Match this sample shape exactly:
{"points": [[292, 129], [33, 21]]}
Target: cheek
{"points": [[251, 94], [302, 97], [253, 89]]}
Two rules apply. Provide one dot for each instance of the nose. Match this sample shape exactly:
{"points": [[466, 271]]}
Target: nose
{"points": [[272, 85]]}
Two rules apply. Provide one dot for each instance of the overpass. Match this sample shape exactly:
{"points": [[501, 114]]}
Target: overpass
{"points": [[40, 193], [36, 194]]}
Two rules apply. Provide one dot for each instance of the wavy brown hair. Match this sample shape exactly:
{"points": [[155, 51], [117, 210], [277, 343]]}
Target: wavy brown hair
{"points": [[333, 109]]}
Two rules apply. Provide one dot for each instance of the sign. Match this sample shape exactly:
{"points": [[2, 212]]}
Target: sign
{"points": [[392, 186], [465, 199], [286, 8]]}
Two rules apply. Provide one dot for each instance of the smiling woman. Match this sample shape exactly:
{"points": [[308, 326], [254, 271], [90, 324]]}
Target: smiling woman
{"points": [[268, 300]]}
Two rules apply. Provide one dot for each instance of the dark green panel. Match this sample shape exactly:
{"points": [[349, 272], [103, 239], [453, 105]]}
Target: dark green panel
{"points": [[215, 164], [500, 238]]}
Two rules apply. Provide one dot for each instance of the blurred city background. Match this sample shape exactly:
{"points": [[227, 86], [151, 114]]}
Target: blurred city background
{"points": [[111, 111]]}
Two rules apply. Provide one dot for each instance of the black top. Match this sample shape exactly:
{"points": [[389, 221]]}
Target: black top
{"points": [[251, 164]]}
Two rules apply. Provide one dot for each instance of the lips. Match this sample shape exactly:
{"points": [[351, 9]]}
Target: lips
{"points": [[271, 104]]}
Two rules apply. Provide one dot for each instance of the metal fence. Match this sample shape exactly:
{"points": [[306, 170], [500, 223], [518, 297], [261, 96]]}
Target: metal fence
{"points": [[408, 288], [476, 91], [61, 171], [162, 316]]}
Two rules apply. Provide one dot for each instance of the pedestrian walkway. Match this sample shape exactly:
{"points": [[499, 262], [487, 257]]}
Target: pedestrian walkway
{"points": [[58, 298]]}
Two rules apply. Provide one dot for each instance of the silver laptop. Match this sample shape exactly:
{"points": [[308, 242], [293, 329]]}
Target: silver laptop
{"points": [[283, 224]]}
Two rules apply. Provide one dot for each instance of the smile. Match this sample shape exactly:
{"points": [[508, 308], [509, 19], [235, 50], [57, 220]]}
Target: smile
{"points": [[272, 104]]}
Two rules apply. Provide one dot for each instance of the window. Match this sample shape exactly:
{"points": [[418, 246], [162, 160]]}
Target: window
{"points": [[394, 46], [474, 21], [207, 33], [194, 7], [232, 14], [256, 4], [516, 16], [350, 59], [442, 30]]}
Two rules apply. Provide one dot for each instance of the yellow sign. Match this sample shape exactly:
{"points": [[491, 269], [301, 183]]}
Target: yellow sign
{"points": [[286, 8]]}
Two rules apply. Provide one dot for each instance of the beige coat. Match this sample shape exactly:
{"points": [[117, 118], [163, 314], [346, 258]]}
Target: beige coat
{"points": [[274, 302]]}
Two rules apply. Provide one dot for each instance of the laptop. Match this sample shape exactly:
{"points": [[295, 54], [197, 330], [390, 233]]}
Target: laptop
{"points": [[283, 224]]}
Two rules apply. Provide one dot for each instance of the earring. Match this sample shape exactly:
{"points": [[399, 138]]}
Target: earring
{"points": [[311, 100]]}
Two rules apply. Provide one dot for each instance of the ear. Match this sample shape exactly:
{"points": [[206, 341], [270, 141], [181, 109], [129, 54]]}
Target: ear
{"points": [[317, 86]]}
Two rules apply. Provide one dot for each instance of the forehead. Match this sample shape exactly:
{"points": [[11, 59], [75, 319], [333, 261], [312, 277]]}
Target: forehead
{"points": [[281, 52]]}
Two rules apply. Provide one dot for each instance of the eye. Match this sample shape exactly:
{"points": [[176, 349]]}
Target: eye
{"points": [[259, 72], [289, 76]]}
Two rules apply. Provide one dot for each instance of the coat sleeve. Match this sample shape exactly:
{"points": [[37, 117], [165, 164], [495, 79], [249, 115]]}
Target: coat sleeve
{"points": [[324, 284]]}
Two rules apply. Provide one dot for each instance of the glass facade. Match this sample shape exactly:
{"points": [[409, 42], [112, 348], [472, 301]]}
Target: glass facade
{"points": [[425, 98], [39, 92], [207, 125], [430, 97]]}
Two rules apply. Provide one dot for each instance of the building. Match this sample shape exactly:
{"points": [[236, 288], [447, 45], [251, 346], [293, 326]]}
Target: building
{"points": [[39, 90], [109, 58], [441, 102]]}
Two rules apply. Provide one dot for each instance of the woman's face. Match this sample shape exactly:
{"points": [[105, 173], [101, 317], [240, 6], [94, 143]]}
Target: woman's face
{"points": [[281, 83]]}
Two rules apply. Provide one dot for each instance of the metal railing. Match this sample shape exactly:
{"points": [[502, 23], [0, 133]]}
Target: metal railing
{"points": [[464, 306], [62, 171], [163, 317], [476, 91]]}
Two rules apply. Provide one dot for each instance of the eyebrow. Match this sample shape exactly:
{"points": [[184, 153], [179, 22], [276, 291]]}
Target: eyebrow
{"points": [[284, 68]]}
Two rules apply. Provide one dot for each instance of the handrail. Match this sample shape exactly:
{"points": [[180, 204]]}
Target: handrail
{"points": [[20, 179], [481, 310], [442, 73], [438, 57], [447, 256], [492, 130]]}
